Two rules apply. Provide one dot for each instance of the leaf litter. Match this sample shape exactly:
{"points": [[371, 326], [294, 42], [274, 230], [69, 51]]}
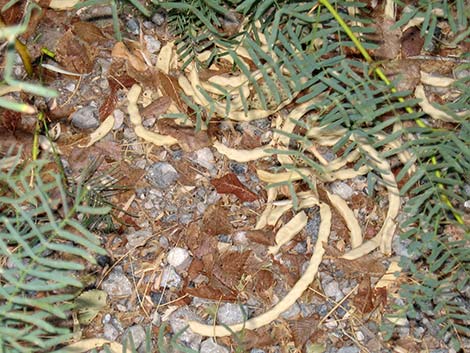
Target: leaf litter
{"points": [[235, 255]]}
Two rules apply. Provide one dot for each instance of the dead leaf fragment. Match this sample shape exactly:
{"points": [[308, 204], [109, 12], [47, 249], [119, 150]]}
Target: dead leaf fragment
{"points": [[88, 32], [158, 107], [170, 87], [120, 51], [229, 184], [75, 55], [188, 138], [215, 221], [411, 42]]}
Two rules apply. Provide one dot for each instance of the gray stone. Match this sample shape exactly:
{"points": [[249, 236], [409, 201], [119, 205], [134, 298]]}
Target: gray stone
{"points": [[159, 18], [117, 284], [341, 189], [110, 332], [348, 349], [179, 258], [238, 168], [170, 278], [229, 314], [332, 290], [179, 322], [162, 175], [133, 26], [292, 313], [138, 238], [209, 346], [313, 226], [118, 119], [85, 118], [137, 333], [204, 158], [257, 350], [153, 44]]}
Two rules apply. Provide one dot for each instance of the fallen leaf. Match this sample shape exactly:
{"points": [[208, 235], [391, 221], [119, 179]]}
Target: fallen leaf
{"points": [[74, 55], [230, 268], [259, 236], [303, 329], [209, 292], [215, 221], [105, 127], [120, 51], [364, 298], [389, 39], [89, 304], [229, 184], [158, 107], [259, 338], [108, 105], [88, 32], [411, 42], [188, 138], [170, 87]]}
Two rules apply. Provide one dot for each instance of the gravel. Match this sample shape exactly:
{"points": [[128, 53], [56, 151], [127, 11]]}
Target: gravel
{"points": [[179, 258], [85, 118], [229, 314], [170, 278], [137, 333], [348, 349], [209, 346], [341, 189], [162, 175], [117, 284], [179, 322]]}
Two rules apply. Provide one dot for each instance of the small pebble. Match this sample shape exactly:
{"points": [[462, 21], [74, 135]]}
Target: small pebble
{"points": [[133, 26], [159, 18], [153, 44], [341, 189], [85, 118], [292, 313], [349, 349], [117, 284], [118, 119], [229, 314], [170, 278], [209, 346], [179, 258], [162, 175], [179, 325], [110, 332], [238, 168], [138, 238], [157, 298], [138, 335]]}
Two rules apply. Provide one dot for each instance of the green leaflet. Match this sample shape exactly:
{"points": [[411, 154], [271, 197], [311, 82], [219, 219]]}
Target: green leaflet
{"points": [[35, 237]]}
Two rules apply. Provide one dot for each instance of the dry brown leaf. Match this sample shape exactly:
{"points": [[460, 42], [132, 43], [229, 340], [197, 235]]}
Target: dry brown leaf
{"points": [[259, 338], [108, 105], [230, 268], [209, 292], [158, 107], [120, 51], [188, 138], [215, 221], [74, 55], [364, 298], [411, 42], [265, 237], [303, 329], [390, 40], [88, 32], [170, 87], [229, 184]]}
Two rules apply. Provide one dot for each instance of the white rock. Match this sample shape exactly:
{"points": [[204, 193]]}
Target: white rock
{"points": [[170, 278], [179, 325], [117, 284], [205, 158], [342, 189], [153, 44], [137, 333], [209, 346], [229, 314], [179, 258]]}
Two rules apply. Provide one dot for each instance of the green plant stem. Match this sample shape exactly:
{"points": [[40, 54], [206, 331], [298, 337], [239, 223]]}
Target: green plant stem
{"points": [[384, 78]]}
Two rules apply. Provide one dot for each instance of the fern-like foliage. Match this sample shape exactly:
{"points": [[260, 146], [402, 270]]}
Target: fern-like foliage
{"points": [[43, 246], [439, 245]]}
